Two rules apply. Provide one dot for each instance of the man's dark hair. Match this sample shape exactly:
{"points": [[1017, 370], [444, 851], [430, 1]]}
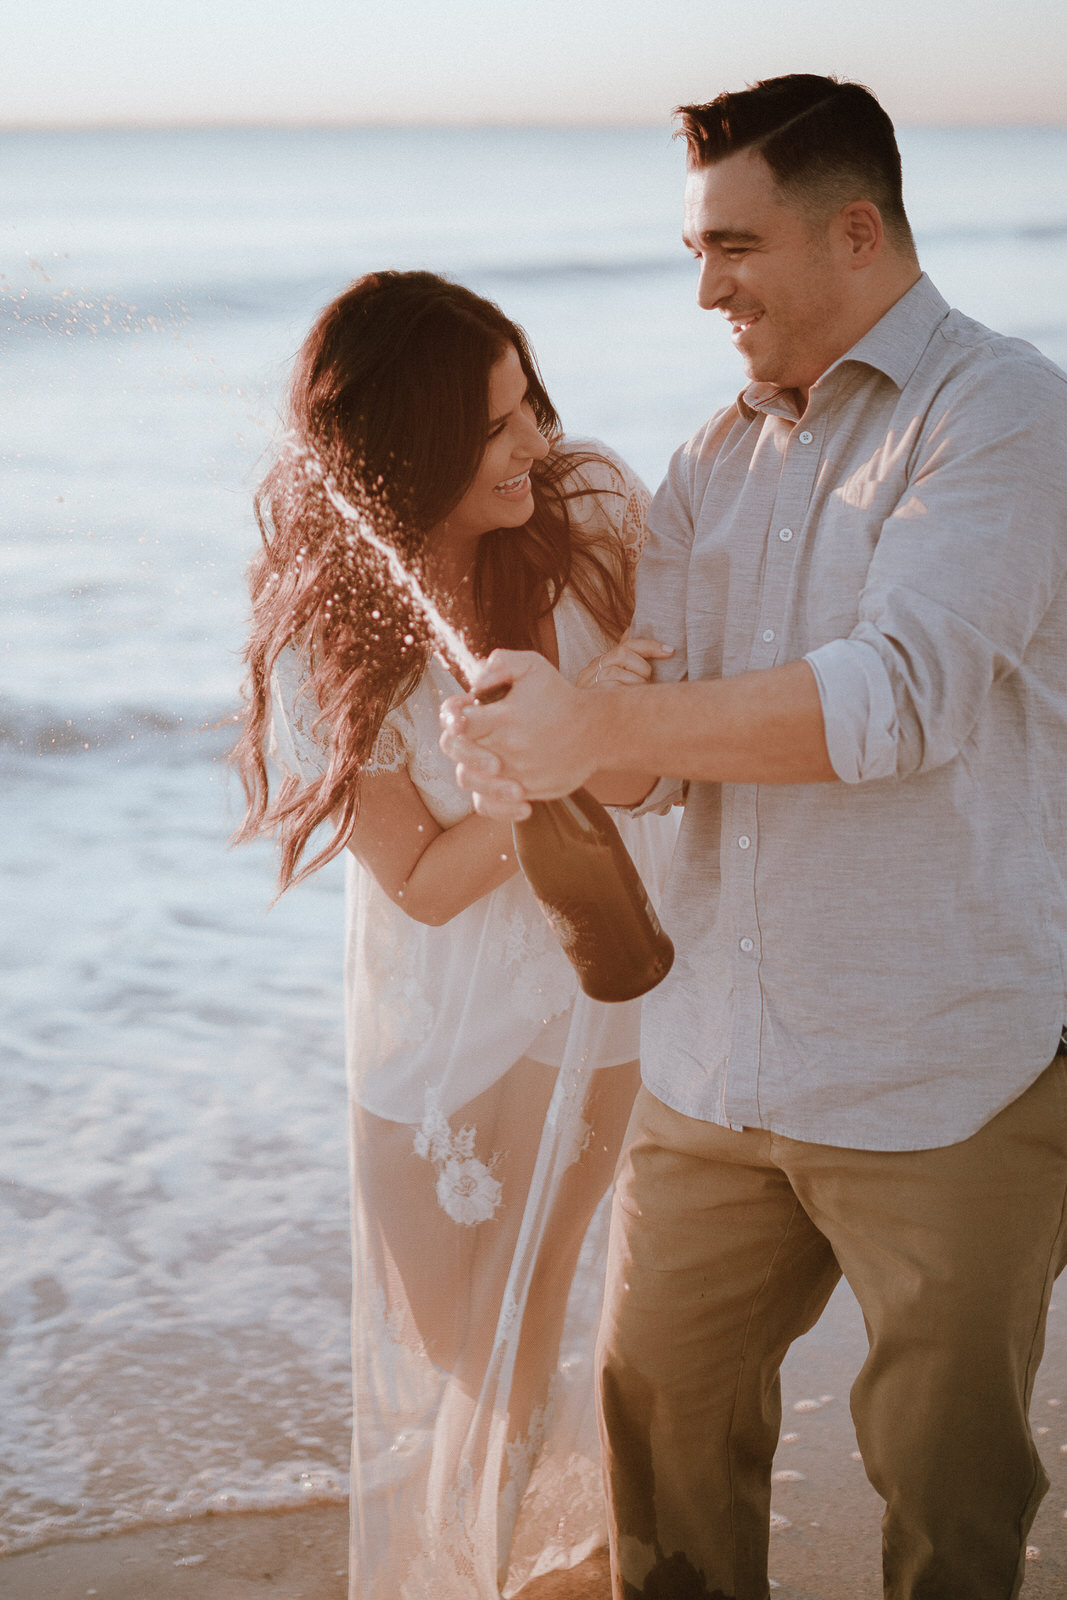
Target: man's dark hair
{"points": [[826, 142]]}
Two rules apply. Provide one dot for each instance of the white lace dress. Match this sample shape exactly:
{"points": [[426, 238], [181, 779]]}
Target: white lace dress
{"points": [[488, 1100]]}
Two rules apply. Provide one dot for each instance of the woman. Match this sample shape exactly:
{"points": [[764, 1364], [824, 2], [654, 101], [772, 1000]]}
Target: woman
{"points": [[488, 1096]]}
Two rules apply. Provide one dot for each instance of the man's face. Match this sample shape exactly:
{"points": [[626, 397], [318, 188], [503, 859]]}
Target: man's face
{"points": [[780, 278]]}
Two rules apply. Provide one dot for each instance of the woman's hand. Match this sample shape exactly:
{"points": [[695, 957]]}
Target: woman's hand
{"points": [[629, 661]]}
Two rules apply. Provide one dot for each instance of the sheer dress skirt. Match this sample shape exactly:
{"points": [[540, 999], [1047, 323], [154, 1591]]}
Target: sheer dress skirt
{"points": [[479, 1245]]}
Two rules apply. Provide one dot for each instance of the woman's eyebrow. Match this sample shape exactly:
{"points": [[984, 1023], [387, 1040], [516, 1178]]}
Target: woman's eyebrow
{"points": [[494, 422]]}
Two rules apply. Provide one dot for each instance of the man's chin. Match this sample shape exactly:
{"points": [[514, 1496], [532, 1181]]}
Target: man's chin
{"points": [[758, 369], [766, 372], [759, 372]]}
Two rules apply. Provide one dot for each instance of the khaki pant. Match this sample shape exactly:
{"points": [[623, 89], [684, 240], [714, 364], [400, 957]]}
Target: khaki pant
{"points": [[725, 1248]]}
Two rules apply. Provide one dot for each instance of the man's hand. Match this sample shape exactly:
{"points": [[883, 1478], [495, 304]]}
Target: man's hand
{"points": [[532, 745]]}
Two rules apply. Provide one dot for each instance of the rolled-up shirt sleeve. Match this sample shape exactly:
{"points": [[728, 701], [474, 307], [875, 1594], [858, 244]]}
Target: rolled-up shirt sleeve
{"points": [[963, 572], [859, 712]]}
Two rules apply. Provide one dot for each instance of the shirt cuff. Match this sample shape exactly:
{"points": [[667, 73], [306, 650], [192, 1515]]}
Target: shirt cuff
{"points": [[858, 710], [664, 793]]}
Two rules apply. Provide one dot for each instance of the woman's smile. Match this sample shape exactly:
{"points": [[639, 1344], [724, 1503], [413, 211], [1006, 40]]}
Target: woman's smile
{"points": [[514, 488]]}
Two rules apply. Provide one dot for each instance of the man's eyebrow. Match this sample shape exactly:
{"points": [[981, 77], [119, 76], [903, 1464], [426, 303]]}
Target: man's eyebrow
{"points": [[720, 236]]}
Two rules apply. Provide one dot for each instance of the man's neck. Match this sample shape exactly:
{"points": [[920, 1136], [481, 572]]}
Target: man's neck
{"points": [[897, 276]]}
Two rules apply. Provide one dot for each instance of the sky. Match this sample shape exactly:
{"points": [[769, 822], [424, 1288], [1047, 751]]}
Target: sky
{"points": [[161, 62]]}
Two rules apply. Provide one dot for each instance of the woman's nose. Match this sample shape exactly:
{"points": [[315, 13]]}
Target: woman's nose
{"points": [[533, 442]]}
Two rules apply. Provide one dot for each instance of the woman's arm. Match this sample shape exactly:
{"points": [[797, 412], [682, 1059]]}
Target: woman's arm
{"points": [[432, 873]]}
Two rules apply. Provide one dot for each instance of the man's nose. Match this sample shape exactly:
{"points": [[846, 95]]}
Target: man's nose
{"points": [[715, 283]]}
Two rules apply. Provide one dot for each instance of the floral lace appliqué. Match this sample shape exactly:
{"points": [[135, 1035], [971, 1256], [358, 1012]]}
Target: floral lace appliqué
{"points": [[389, 754], [541, 978], [466, 1188], [446, 1566], [634, 529], [520, 1454]]}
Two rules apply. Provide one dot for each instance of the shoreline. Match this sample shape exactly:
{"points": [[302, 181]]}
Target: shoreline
{"points": [[825, 1545]]}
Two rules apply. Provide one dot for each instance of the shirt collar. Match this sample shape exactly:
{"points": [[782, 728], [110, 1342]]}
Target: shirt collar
{"points": [[894, 346]]}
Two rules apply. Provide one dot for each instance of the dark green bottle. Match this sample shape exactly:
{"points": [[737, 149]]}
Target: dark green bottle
{"points": [[574, 860]]}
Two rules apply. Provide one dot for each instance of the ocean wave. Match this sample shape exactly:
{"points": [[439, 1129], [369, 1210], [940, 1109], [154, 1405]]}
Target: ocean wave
{"points": [[581, 267], [37, 729], [166, 309], [72, 313], [288, 1486], [989, 233]]}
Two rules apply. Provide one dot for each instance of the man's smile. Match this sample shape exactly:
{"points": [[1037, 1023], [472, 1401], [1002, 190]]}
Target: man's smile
{"points": [[741, 321]]}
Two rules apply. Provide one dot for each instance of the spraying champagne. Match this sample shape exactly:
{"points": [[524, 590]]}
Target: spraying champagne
{"points": [[570, 851]]}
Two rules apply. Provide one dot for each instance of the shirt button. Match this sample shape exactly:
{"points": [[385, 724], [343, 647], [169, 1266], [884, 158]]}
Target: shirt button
{"points": [[768, 635], [785, 534], [806, 437], [746, 945], [744, 841]]}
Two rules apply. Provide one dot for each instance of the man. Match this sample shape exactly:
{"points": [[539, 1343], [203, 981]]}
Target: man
{"points": [[853, 1066]]}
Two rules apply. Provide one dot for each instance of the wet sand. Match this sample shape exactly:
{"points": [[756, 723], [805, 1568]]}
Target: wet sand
{"points": [[826, 1548]]}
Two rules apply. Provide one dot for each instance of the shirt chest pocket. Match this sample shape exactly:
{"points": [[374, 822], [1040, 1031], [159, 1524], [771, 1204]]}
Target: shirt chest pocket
{"points": [[842, 533]]}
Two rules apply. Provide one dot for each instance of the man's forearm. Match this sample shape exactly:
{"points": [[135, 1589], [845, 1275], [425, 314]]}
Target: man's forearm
{"points": [[620, 788], [546, 737], [760, 727]]}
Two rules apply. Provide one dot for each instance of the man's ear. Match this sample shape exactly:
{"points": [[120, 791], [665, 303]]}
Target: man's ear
{"points": [[862, 231]]}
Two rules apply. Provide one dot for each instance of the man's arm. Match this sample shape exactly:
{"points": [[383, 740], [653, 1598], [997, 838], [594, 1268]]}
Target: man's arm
{"points": [[547, 738]]}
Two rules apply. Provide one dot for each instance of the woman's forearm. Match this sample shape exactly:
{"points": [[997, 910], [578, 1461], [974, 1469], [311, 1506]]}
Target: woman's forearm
{"points": [[456, 867]]}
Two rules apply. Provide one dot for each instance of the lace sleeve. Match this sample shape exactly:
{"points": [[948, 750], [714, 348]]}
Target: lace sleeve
{"points": [[614, 496], [633, 528], [299, 748], [294, 745]]}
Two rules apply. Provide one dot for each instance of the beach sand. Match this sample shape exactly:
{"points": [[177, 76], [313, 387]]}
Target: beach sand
{"points": [[827, 1547]]}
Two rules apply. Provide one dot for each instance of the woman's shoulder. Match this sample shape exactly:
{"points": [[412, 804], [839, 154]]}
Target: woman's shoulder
{"points": [[300, 742], [602, 489], [590, 464]]}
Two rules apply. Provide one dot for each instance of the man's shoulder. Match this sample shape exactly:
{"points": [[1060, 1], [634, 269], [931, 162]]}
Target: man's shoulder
{"points": [[964, 347], [699, 451]]}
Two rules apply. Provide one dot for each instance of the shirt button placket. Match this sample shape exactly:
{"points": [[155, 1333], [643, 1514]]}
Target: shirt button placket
{"points": [[741, 1097]]}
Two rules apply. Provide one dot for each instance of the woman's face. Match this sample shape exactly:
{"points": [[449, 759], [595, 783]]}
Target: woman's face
{"points": [[500, 496]]}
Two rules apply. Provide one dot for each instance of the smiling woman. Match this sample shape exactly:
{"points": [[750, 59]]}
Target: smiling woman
{"points": [[501, 495], [488, 1096]]}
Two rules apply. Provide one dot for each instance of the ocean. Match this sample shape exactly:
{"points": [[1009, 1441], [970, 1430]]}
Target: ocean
{"points": [[173, 1182]]}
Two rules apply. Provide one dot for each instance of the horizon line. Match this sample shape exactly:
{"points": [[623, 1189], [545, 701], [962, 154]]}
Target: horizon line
{"points": [[438, 125]]}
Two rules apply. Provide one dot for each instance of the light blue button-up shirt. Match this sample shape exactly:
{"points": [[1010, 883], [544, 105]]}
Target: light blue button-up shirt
{"points": [[878, 963]]}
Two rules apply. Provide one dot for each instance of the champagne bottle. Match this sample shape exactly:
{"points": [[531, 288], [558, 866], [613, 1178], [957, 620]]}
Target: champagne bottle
{"points": [[584, 879]]}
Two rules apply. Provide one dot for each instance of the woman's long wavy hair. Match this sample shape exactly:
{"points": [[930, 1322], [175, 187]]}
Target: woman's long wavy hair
{"points": [[390, 403]]}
